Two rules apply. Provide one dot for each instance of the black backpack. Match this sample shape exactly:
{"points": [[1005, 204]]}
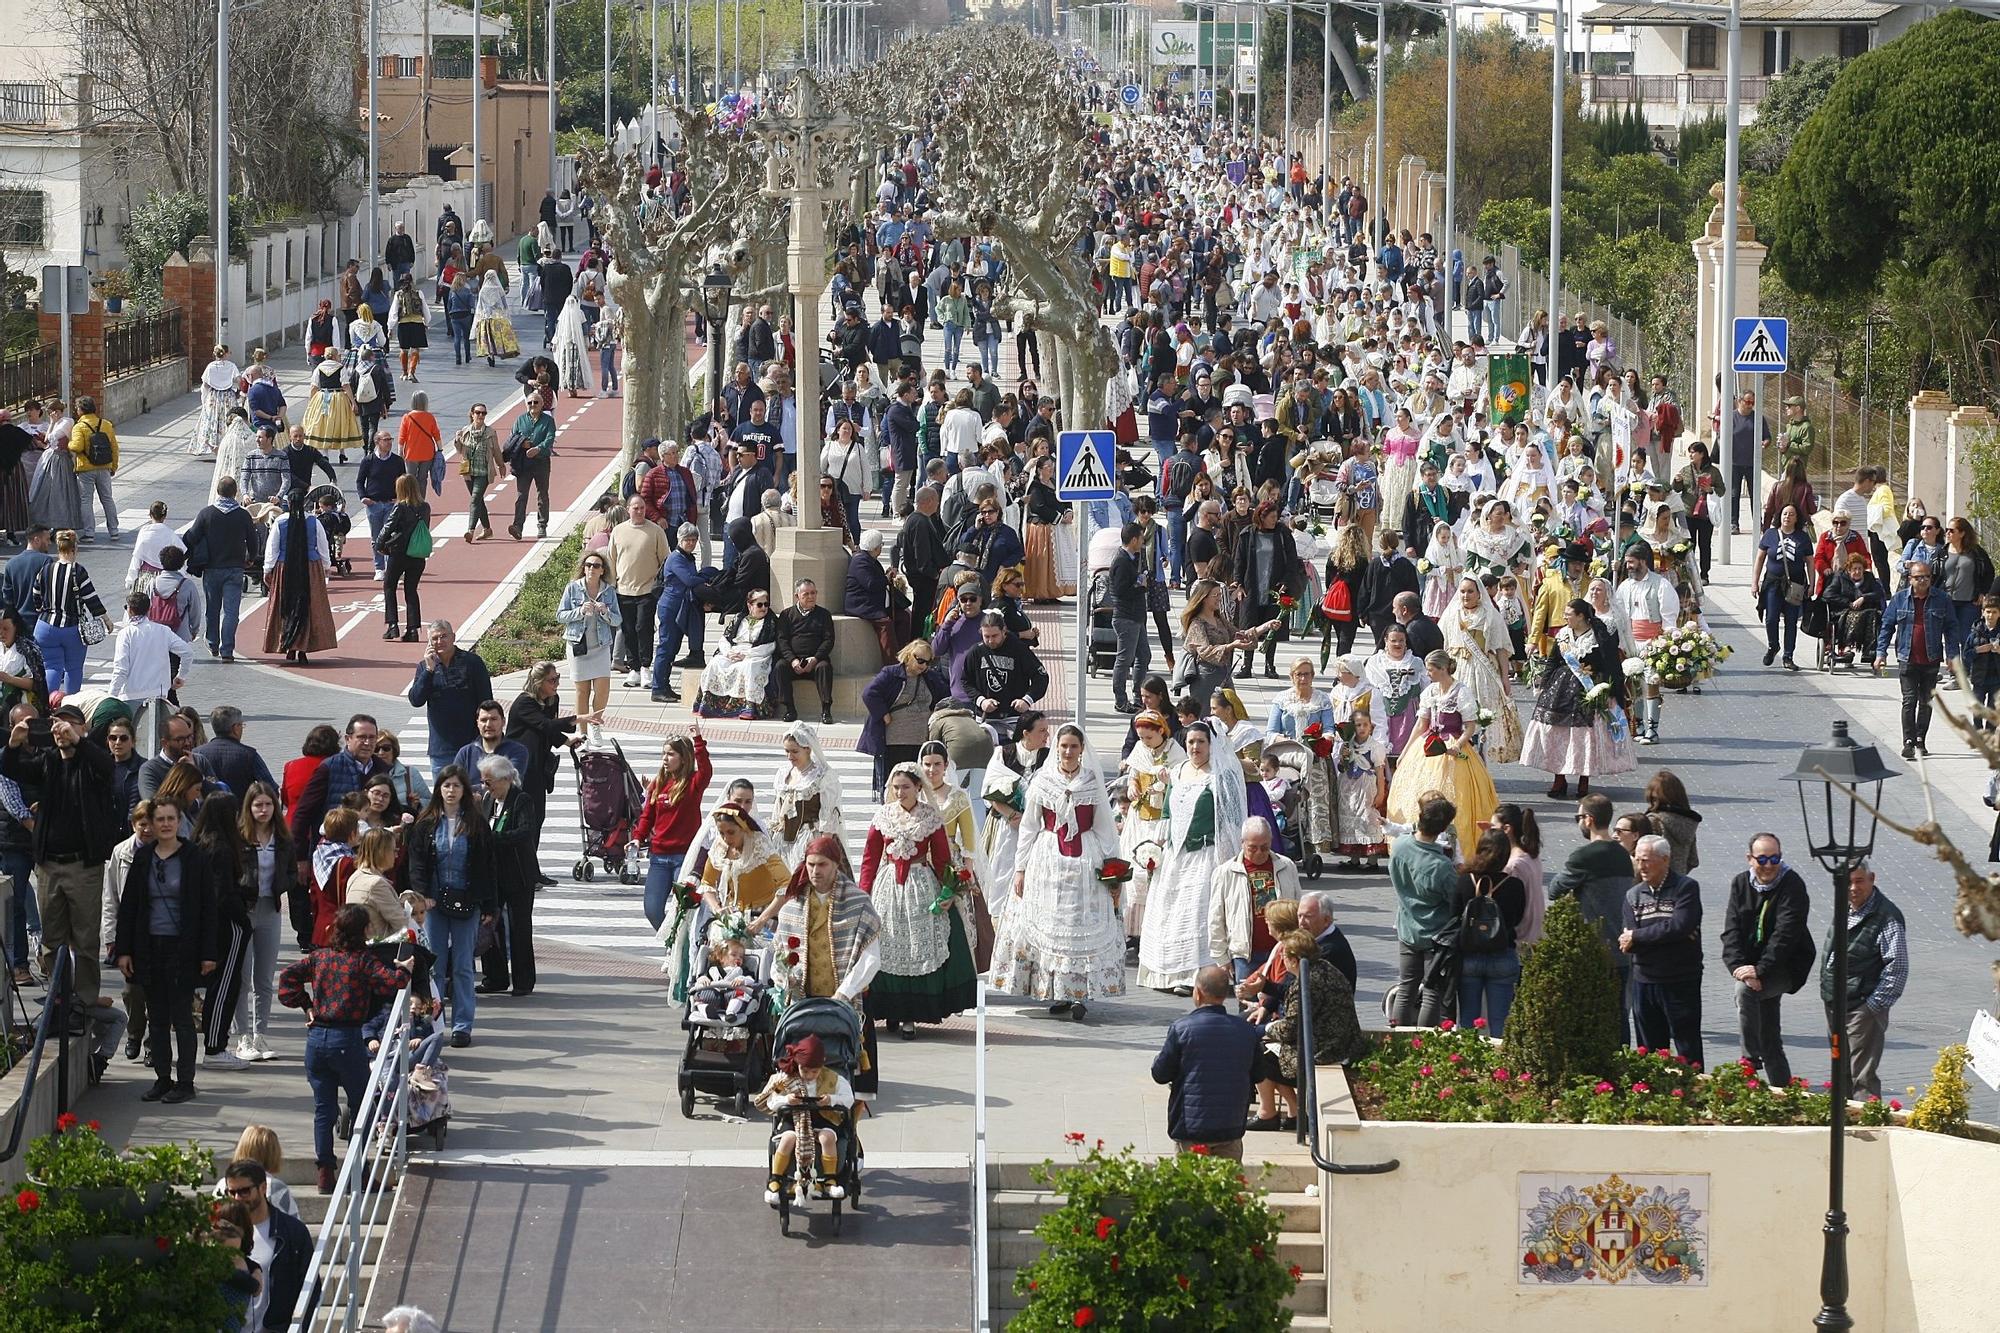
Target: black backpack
{"points": [[1482, 926], [97, 445]]}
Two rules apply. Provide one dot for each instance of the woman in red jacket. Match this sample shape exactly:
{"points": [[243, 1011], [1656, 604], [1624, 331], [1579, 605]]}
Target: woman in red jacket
{"points": [[321, 742], [672, 816]]}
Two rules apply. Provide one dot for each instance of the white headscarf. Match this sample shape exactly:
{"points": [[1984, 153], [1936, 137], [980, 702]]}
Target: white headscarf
{"points": [[492, 299], [1066, 794], [1483, 629]]}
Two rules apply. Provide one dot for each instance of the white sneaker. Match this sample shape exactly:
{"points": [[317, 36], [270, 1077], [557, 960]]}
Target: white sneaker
{"points": [[378, 576], [631, 680], [262, 1048], [225, 1060], [645, 678], [245, 1049]]}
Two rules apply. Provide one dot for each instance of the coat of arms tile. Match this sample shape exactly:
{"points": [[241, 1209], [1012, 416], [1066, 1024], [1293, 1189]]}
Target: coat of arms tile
{"points": [[1633, 1231]]}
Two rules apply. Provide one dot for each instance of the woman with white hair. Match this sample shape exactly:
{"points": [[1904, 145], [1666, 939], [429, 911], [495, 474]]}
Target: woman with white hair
{"points": [[409, 1319], [1061, 940], [509, 964]]}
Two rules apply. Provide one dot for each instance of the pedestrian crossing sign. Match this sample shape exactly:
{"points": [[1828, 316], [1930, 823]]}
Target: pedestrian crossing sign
{"points": [[1083, 464], [1760, 345], [1206, 97]]}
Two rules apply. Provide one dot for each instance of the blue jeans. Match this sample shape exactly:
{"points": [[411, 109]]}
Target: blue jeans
{"points": [[336, 1061], [1177, 547], [954, 334], [378, 514], [1486, 988], [668, 634], [27, 916], [661, 874], [223, 589], [1492, 321], [1472, 324], [607, 368], [461, 338], [62, 656], [989, 355], [455, 941]]}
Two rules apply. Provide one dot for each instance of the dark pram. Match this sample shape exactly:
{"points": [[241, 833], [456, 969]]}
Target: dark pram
{"points": [[838, 1028], [728, 1059], [1103, 636], [336, 522], [609, 801]]}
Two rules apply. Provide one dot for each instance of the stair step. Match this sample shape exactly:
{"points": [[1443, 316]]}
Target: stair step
{"points": [[1309, 1296]]}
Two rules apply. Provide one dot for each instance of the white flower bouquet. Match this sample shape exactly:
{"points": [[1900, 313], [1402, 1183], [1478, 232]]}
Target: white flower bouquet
{"points": [[1685, 654]]}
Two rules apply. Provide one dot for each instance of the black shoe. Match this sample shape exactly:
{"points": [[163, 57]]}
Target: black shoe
{"points": [[545, 881], [392, 633], [180, 1092], [665, 697], [493, 988], [228, 658], [1076, 1012], [409, 636], [1061, 1007], [1909, 750], [1923, 749], [1790, 665], [791, 715], [1559, 788], [1123, 707], [687, 662], [156, 1092], [826, 717], [131, 1048], [1770, 656], [460, 1038], [522, 991], [1262, 1124]]}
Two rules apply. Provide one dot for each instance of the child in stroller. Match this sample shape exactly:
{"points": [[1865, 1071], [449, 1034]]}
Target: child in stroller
{"points": [[808, 1101], [1284, 813], [725, 992], [329, 506]]}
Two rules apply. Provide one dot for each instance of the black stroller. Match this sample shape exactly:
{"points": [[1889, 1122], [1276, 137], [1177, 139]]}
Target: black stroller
{"points": [[838, 1027], [609, 802], [724, 1058], [335, 522], [1103, 637]]}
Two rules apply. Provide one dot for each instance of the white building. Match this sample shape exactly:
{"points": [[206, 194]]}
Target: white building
{"points": [[66, 178], [1677, 66]]}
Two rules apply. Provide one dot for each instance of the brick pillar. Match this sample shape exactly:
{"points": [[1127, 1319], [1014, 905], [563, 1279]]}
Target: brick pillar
{"points": [[86, 348], [189, 282]]}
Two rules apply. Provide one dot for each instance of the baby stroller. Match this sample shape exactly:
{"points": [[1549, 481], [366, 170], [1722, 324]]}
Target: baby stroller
{"points": [[609, 799], [1103, 638], [430, 1098], [1292, 837], [1323, 494], [729, 1059], [336, 522], [838, 1027]]}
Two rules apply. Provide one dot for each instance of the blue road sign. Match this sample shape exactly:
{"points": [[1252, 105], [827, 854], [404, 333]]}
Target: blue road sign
{"points": [[1084, 459], [1760, 344], [1129, 94], [1206, 97]]}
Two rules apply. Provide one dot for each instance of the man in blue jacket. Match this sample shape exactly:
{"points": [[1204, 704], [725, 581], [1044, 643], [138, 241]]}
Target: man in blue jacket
{"points": [[685, 591], [1921, 656], [1209, 1059], [449, 685]]}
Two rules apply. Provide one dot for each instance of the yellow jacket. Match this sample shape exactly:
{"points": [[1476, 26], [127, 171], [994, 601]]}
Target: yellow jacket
{"points": [[1552, 601], [79, 442]]}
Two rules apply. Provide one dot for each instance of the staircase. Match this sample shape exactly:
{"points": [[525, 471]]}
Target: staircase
{"points": [[1016, 1203]]}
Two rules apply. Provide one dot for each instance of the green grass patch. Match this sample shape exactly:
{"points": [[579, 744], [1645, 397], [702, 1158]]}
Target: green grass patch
{"points": [[528, 631]]}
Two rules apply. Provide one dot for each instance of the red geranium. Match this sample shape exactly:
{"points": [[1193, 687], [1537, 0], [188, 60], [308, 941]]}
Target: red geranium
{"points": [[1104, 1225], [1115, 871], [65, 1122], [1198, 1149], [1084, 1317], [27, 1201]]}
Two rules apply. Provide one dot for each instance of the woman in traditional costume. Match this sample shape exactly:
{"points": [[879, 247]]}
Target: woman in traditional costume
{"points": [[1442, 757], [1205, 811], [1142, 839], [1475, 634], [1569, 733], [492, 330], [806, 795], [927, 969]]}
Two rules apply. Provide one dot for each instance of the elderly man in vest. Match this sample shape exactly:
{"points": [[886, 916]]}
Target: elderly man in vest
{"points": [[1646, 606], [1878, 967], [1240, 891]]}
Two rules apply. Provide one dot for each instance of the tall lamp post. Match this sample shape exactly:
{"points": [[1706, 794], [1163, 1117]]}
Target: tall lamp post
{"points": [[1837, 771]]}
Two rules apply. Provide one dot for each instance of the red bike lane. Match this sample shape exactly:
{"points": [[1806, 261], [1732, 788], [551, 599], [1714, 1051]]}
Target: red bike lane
{"points": [[460, 576]]}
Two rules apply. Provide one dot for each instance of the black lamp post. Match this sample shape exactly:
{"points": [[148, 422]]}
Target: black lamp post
{"points": [[715, 285], [1837, 771]]}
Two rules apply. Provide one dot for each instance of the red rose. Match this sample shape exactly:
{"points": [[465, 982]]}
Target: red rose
{"points": [[27, 1201], [1084, 1317], [65, 1122], [791, 941], [1104, 1225], [1446, 1025]]}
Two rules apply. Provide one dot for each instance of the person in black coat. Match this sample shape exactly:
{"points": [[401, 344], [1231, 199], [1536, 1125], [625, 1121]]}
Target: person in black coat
{"points": [[534, 720], [1267, 567], [77, 827], [1767, 946], [751, 572], [510, 964], [868, 593], [1419, 630], [922, 554], [1209, 1060], [168, 940], [1386, 577], [805, 651]]}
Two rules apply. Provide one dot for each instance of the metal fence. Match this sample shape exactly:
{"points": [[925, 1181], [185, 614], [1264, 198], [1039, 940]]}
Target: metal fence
{"points": [[34, 373], [1848, 436], [1528, 291], [28, 104], [135, 344]]}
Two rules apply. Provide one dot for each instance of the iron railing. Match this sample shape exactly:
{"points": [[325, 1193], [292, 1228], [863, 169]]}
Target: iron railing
{"points": [[134, 344], [29, 104], [370, 1176], [35, 373], [1309, 1133], [53, 1023]]}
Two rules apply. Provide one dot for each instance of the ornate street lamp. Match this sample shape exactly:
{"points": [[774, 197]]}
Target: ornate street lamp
{"points": [[1837, 771]]}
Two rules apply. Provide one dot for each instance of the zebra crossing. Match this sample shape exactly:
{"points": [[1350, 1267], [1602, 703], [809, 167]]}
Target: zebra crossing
{"points": [[603, 912]]}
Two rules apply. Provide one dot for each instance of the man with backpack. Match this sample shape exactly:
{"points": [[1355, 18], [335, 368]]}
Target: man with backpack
{"points": [[150, 660], [176, 598], [1176, 481], [95, 445]]}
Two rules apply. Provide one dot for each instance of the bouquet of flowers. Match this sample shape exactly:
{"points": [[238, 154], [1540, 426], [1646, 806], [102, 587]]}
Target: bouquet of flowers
{"points": [[958, 880], [1114, 873], [1597, 699], [1634, 668], [1423, 566], [1318, 741], [687, 902], [1685, 654]]}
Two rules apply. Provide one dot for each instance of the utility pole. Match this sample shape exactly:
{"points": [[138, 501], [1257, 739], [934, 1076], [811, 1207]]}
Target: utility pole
{"points": [[1381, 109], [221, 187], [1556, 182], [607, 75], [1287, 158], [424, 94], [1725, 323], [374, 150], [478, 106], [551, 44], [1451, 128]]}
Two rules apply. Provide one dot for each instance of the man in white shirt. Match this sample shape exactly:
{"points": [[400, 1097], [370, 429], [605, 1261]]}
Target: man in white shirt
{"points": [[149, 660], [1645, 605], [960, 431], [1853, 501]]}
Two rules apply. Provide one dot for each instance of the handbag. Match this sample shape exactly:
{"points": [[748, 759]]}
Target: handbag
{"points": [[1795, 593], [92, 630]]}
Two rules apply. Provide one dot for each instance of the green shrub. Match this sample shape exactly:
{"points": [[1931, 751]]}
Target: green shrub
{"points": [[161, 227], [1565, 1015], [528, 631], [1946, 1104], [1179, 1243], [102, 1240]]}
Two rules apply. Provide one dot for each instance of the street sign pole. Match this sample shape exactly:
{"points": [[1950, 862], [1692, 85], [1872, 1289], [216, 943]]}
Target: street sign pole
{"points": [[1085, 467], [1077, 709], [62, 309]]}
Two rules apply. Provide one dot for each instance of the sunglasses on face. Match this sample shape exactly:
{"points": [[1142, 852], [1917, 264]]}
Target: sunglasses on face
{"points": [[1766, 860], [922, 661]]}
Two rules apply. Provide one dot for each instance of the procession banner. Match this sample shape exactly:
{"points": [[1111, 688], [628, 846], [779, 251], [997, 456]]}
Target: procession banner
{"points": [[1507, 387]]}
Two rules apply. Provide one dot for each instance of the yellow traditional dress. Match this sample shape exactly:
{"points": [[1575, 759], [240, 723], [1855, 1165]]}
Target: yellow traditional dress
{"points": [[1442, 759]]}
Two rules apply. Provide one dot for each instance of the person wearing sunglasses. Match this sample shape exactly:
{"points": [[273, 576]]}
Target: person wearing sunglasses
{"points": [[1767, 946], [1925, 547], [899, 702], [278, 1242], [591, 616]]}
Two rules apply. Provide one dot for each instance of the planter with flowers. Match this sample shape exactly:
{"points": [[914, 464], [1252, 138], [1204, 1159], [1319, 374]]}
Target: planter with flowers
{"points": [[1562, 1179], [1178, 1243], [98, 1239]]}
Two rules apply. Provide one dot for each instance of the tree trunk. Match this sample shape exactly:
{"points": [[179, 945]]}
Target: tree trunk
{"points": [[642, 361], [671, 354]]}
